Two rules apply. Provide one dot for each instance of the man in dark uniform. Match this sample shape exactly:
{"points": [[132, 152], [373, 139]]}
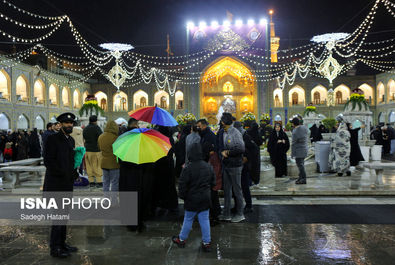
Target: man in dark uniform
{"points": [[60, 176]]}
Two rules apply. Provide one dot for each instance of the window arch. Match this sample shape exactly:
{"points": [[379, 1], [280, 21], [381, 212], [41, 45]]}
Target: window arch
{"points": [[53, 94], [391, 90], [140, 99], [5, 85], [101, 100], [161, 99], [66, 97], [22, 89], [228, 87], [296, 96], [179, 99], [368, 92], [380, 92], [278, 97], [22, 123], [76, 99], [342, 94], [39, 123], [4, 122], [319, 95], [120, 101], [39, 88]]}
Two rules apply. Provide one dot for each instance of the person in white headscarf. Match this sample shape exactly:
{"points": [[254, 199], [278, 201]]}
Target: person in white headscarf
{"points": [[340, 157]]}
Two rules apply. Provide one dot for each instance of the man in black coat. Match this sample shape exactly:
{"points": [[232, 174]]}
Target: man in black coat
{"points": [[60, 176]]}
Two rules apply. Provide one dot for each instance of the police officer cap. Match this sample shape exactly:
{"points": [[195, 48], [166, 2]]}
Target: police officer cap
{"points": [[66, 117]]}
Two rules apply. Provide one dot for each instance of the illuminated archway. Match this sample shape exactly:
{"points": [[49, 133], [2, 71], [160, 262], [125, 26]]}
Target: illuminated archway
{"points": [[227, 77], [39, 123], [84, 96], [318, 95], [368, 92], [39, 88], [161, 99], [101, 100], [53, 94], [22, 89], [179, 100], [342, 94], [296, 96], [391, 90], [380, 93], [5, 85], [4, 122], [22, 122], [120, 101], [66, 97], [76, 98], [278, 97], [140, 99]]}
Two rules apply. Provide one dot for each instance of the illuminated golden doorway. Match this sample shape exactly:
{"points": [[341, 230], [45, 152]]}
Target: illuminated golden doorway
{"points": [[230, 83]]}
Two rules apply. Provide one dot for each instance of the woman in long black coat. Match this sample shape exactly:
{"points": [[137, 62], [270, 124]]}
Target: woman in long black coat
{"points": [[355, 153], [277, 147], [34, 145]]}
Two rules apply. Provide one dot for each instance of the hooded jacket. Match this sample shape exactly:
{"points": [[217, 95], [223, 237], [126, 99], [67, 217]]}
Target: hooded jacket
{"points": [[233, 141], [105, 141], [196, 180]]}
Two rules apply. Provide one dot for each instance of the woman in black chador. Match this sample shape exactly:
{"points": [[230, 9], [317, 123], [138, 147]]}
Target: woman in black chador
{"points": [[355, 153], [277, 147]]}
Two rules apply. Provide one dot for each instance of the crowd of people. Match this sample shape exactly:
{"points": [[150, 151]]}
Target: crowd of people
{"points": [[200, 161]]}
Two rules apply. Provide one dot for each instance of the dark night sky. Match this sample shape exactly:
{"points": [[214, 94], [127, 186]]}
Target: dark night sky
{"points": [[145, 24]]}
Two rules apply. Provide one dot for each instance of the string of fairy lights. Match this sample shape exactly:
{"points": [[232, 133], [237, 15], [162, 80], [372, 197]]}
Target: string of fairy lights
{"points": [[167, 72]]}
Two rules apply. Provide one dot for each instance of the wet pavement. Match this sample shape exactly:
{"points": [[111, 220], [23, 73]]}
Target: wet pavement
{"points": [[290, 239]]}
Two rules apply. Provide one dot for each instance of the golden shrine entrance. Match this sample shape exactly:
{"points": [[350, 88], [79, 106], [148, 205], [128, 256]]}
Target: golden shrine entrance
{"points": [[229, 85]]}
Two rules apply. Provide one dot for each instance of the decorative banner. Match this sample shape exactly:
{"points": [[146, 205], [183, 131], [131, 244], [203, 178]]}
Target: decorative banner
{"points": [[271, 116], [286, 115]]}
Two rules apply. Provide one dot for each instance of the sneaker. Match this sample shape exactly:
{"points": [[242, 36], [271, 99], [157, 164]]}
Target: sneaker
{"points": [[206, 247], [99, 185], [92, 184], [348, 173], [176, 240], [238, 218], [224, 218]]}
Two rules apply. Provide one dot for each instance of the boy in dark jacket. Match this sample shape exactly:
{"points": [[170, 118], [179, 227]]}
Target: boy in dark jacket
{"points": [[195, 183]]}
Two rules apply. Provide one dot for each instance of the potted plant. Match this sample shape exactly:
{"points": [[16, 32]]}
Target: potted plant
{"points": [[357, 98], [91, 106]]}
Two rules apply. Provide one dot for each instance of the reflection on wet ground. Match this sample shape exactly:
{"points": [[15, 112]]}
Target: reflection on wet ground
{"points": [[243, 243]]}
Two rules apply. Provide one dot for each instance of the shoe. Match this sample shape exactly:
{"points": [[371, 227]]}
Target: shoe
{"points": [[99, 185], [59, 253], [224, 218], [69, 248], [206, 247], [300, 181], [340, 174], [348, 173], [248, 210], [176, 240], [238, 218], [92, 185]]}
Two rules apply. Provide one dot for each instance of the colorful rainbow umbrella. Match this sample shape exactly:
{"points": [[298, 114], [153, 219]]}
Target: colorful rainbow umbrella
{"points": [[141, 146], [154, 115]]}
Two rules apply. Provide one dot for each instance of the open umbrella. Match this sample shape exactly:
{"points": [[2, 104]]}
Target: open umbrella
{"points": [[141, 146], [154, 115]]}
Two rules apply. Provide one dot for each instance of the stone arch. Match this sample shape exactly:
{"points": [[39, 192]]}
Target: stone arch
{"points": [[53, 94], [278, 97], [22, 122], [380, 93], [381, 117], [22, 89], [319, 94], [278, 117], [224, 77], [161, 99], [39, 123], [391, 116], [102, 99], [84, 96], [342, 94], [5, 85], [38, 94], [179, 96], [4, 121], [76, 98], [66, 96], [391, 90], [140, 99], [296, 96], [120, 101], [368, 92]]}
